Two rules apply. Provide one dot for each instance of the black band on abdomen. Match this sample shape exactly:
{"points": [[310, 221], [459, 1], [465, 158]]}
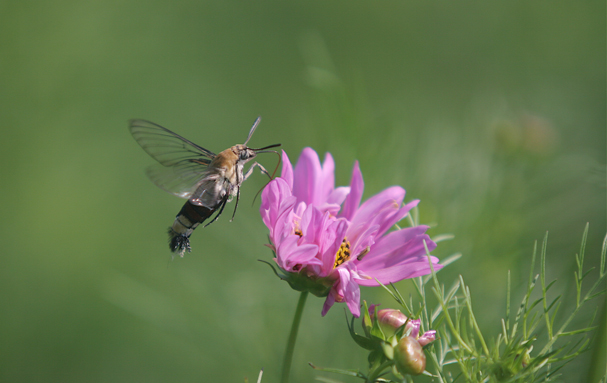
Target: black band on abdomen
{"points": [[195, 213]]}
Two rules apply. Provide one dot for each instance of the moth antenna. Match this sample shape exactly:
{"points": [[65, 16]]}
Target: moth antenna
{"points": [[271, 177], [252, 130]]}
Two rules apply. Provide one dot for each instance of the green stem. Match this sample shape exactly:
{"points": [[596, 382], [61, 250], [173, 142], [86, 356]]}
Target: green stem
{"points": [[286, 365]]}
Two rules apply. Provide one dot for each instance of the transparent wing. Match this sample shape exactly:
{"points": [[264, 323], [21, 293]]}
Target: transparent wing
{"points": [[182, 163], [166, 147], [181, 182]]}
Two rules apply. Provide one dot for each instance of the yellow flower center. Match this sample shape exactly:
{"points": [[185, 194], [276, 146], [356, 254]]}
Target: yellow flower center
{"points": [[343, 254]]}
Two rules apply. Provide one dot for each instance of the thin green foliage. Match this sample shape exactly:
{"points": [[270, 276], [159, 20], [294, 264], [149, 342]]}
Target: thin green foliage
{"points": [[510, 357], [462, 353]]}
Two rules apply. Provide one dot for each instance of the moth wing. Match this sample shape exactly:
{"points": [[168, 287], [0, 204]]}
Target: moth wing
{"points": [[182, 164], [167, 147], [180, 181]]}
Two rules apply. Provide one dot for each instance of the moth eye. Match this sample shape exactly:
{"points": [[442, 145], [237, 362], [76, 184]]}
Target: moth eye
{"points": [[245, 155]]}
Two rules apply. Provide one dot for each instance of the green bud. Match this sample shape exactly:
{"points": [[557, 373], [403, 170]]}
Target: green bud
{"points": [[388, 350], [526, 358], [409, 356]]}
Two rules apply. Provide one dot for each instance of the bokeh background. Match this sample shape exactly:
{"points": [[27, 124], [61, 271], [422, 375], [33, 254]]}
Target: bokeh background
{"points": [[491, 113]]}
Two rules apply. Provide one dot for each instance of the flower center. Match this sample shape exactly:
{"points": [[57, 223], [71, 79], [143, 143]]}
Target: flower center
{"points": [[343, 254]]}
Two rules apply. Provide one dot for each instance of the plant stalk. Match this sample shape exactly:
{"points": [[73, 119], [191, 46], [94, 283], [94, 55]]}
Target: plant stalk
{"points": [[286, 365]]}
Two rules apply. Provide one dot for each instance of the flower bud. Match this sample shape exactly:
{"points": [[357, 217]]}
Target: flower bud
{"points": [[526, 358], [409, 356], [390, 320]]}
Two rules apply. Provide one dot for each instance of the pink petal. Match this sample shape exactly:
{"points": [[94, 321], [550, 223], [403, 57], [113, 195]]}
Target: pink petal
{"points": [[285, 222], [399, 272], [338, 195], [429, 336], [410, 251], [399, 255], [382, 209], [331, 208], [344, 290], [327, 180], [290, 254], [357, 187], [350, 291], [307, 176], [276, 199], [311, 224], [326, 232], [361, 237], [394, 194], [287, 170], [389, 221], [414, 324], [300, 208], [328, 304], [392, 242]]}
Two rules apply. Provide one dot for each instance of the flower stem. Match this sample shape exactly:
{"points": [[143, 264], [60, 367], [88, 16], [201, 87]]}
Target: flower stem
{"points": [[286, 365]]}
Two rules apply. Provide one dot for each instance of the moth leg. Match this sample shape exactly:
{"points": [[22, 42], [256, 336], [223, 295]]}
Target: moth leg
{"points": [[223, 203], [236, 205], [261, 169]]}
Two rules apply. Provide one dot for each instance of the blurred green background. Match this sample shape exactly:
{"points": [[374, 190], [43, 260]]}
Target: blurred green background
{"points": [[491, 113]]}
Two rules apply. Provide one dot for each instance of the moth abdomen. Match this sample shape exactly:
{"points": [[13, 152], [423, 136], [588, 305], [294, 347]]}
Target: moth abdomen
{"points": [[189, 217]]}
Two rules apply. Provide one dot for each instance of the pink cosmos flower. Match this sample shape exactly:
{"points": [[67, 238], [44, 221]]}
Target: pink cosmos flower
{"points": [[325, 235]]}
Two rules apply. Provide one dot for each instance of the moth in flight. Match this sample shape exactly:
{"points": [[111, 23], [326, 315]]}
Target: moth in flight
{"points": [[208, 180]]}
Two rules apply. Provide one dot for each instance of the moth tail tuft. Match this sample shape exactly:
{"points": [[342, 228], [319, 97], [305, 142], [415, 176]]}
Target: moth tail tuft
{"points": [[179, 243]]}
